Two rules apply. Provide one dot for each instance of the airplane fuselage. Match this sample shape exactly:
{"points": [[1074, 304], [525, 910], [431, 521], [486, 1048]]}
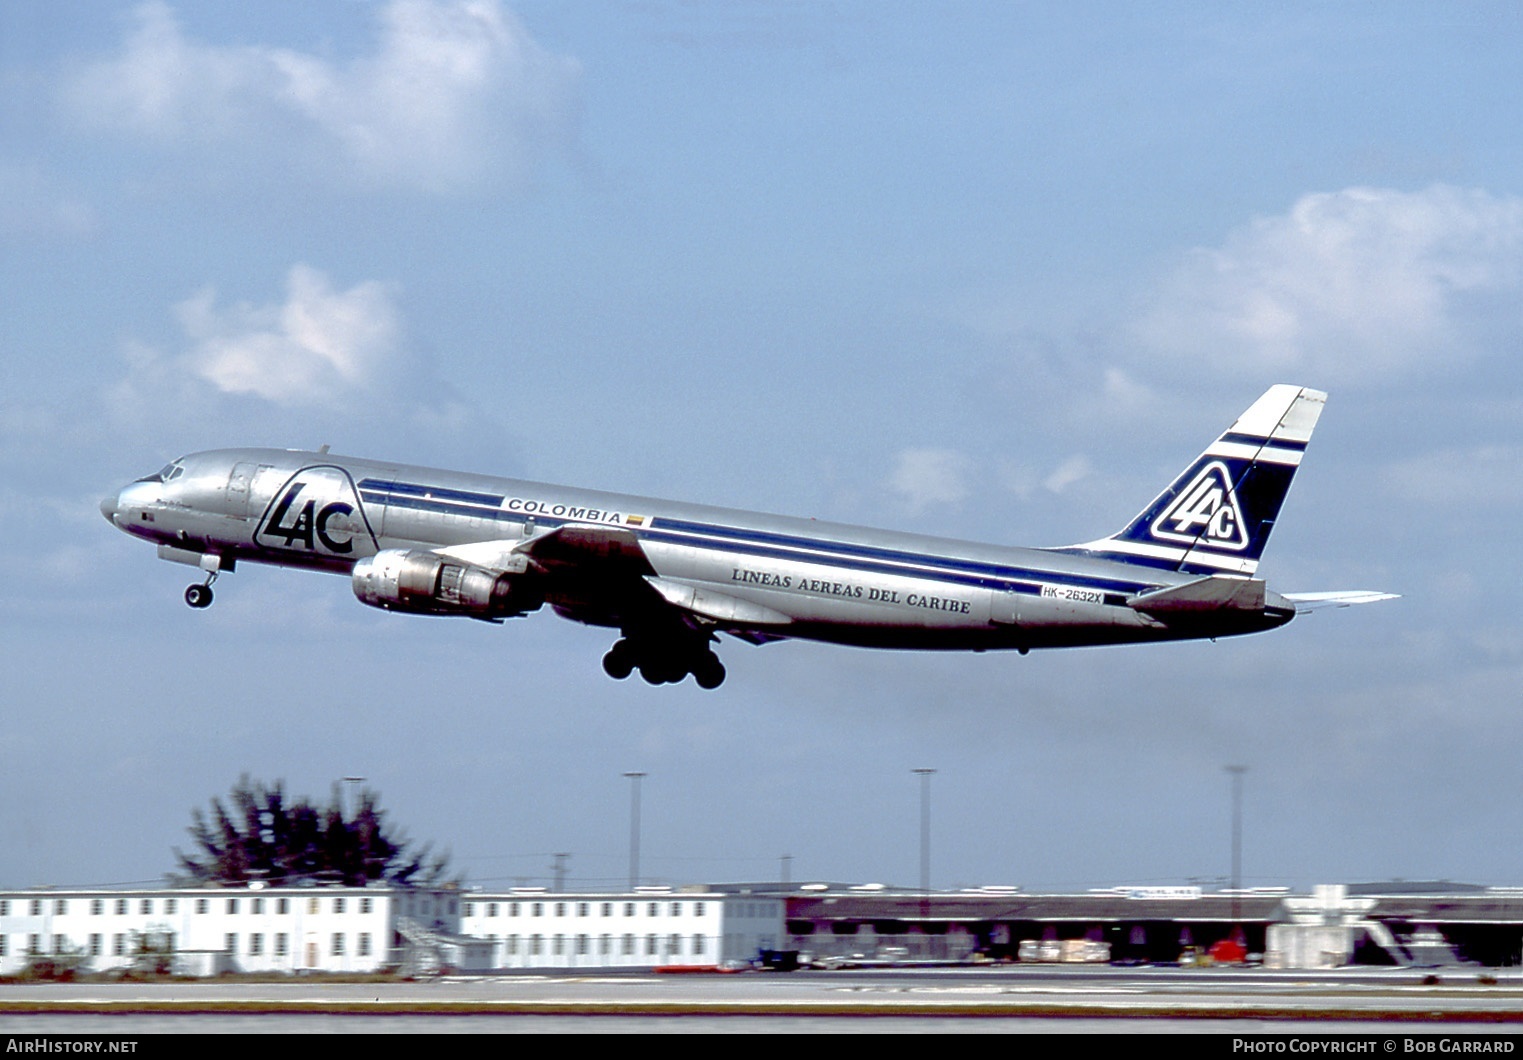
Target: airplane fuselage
{"points": [[769, 576]]}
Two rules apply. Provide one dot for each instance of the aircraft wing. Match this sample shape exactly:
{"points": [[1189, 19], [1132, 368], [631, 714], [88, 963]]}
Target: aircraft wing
{"points": [[605, 569]]}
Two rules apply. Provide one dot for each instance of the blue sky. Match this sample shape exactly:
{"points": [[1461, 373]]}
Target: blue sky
{"points": [[986, 270]]}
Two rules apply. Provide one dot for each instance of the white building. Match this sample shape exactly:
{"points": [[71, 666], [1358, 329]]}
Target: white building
{"points": [[362, 929], [245, 929], [650, 927]]}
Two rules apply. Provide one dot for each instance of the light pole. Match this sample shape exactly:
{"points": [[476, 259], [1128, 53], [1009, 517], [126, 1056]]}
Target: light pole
{"points": [[925, 840], [634, 828], [1236, 772], [351, 781]]}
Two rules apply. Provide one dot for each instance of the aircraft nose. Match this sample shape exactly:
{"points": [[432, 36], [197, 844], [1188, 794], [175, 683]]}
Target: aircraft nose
{"points": [[109, 505]]}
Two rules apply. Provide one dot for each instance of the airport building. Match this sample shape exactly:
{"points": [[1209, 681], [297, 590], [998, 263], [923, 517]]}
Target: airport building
{"points": [[648, 927], [358, 930]]}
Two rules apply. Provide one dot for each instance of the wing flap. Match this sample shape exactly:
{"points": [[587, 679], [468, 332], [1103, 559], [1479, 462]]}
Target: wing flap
{"points": [[721, 608]]}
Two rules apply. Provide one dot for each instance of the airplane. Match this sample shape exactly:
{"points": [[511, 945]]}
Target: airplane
{"points": [[671, 577]]}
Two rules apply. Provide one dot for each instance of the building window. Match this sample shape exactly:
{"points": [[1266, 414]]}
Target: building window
{"points": [[605, 944], [232, 905], [231, 942], [650, 945], [121, 907], [629, 909], [512, 909], [2, 945], [34, 944], [607, 909], [37, 907], [581, 945], [470, 908], [312, 906], [534, 943], [171, 905], [581, 909], [257, 907], [537, 910], [629, 945], [118, 944], [560, 908], [513, 944], [58, 943], [280, 944], [491, 909], [200, 905], [5, 907], [256, 944], [654, 910], [61, 906], [698, 908], [674, 945], [146, 906], [338, 905], [364, 944], [95, 945], [365, 905], [676, 909], [698, 945], [338, 944], [560, 944], [283, 906]]}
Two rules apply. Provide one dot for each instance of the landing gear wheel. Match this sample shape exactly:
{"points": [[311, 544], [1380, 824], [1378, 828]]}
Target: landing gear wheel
{"points": [[199, 596], [618, 663], [710, 672]]}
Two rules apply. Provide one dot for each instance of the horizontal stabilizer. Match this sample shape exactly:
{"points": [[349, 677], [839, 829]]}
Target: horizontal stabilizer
{"points": [[723, 608], [1338, 598], [1212, 593]]}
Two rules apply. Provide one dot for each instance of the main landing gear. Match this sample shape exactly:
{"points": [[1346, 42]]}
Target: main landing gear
{"points": [[200, 594], [661, 664]]}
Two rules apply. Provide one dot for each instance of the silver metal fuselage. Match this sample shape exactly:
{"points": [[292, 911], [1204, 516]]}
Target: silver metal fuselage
{"points": [[780, 577]]}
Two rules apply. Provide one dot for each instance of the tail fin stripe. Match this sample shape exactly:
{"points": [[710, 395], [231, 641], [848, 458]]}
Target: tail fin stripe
{"points": [[1279, 440], [1257, 451]]}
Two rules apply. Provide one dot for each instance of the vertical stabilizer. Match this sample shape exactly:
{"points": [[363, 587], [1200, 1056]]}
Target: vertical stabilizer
{"points": [[1215, 518]]}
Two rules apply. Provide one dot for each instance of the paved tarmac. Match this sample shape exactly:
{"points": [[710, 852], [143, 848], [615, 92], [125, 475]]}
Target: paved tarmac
{"points": [[1435, 1001]]}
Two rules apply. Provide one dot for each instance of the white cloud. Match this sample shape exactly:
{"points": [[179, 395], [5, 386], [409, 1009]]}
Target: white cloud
{"points": [[1067, 473], [453, 91], [1348, 283], [312, 349], [928, 477]]}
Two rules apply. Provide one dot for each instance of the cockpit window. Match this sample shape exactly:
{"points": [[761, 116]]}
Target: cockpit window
{"points": [[168, 473]]}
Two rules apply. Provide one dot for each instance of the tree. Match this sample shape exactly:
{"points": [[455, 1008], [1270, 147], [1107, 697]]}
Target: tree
{"points": [[257, 835]]}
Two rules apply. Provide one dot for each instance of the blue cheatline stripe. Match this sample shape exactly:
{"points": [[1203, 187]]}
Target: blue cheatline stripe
{"points": [[761, 543], [1255, 440], [410, 489]]}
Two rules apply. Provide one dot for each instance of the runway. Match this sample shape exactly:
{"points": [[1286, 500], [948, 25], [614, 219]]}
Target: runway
{"points": [[1011, 997]]}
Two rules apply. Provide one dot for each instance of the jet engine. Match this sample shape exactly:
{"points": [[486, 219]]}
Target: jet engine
{"points": [[426, 583]]}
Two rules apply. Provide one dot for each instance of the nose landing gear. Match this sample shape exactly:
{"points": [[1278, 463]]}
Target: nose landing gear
{"points": [[200, 594]]}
